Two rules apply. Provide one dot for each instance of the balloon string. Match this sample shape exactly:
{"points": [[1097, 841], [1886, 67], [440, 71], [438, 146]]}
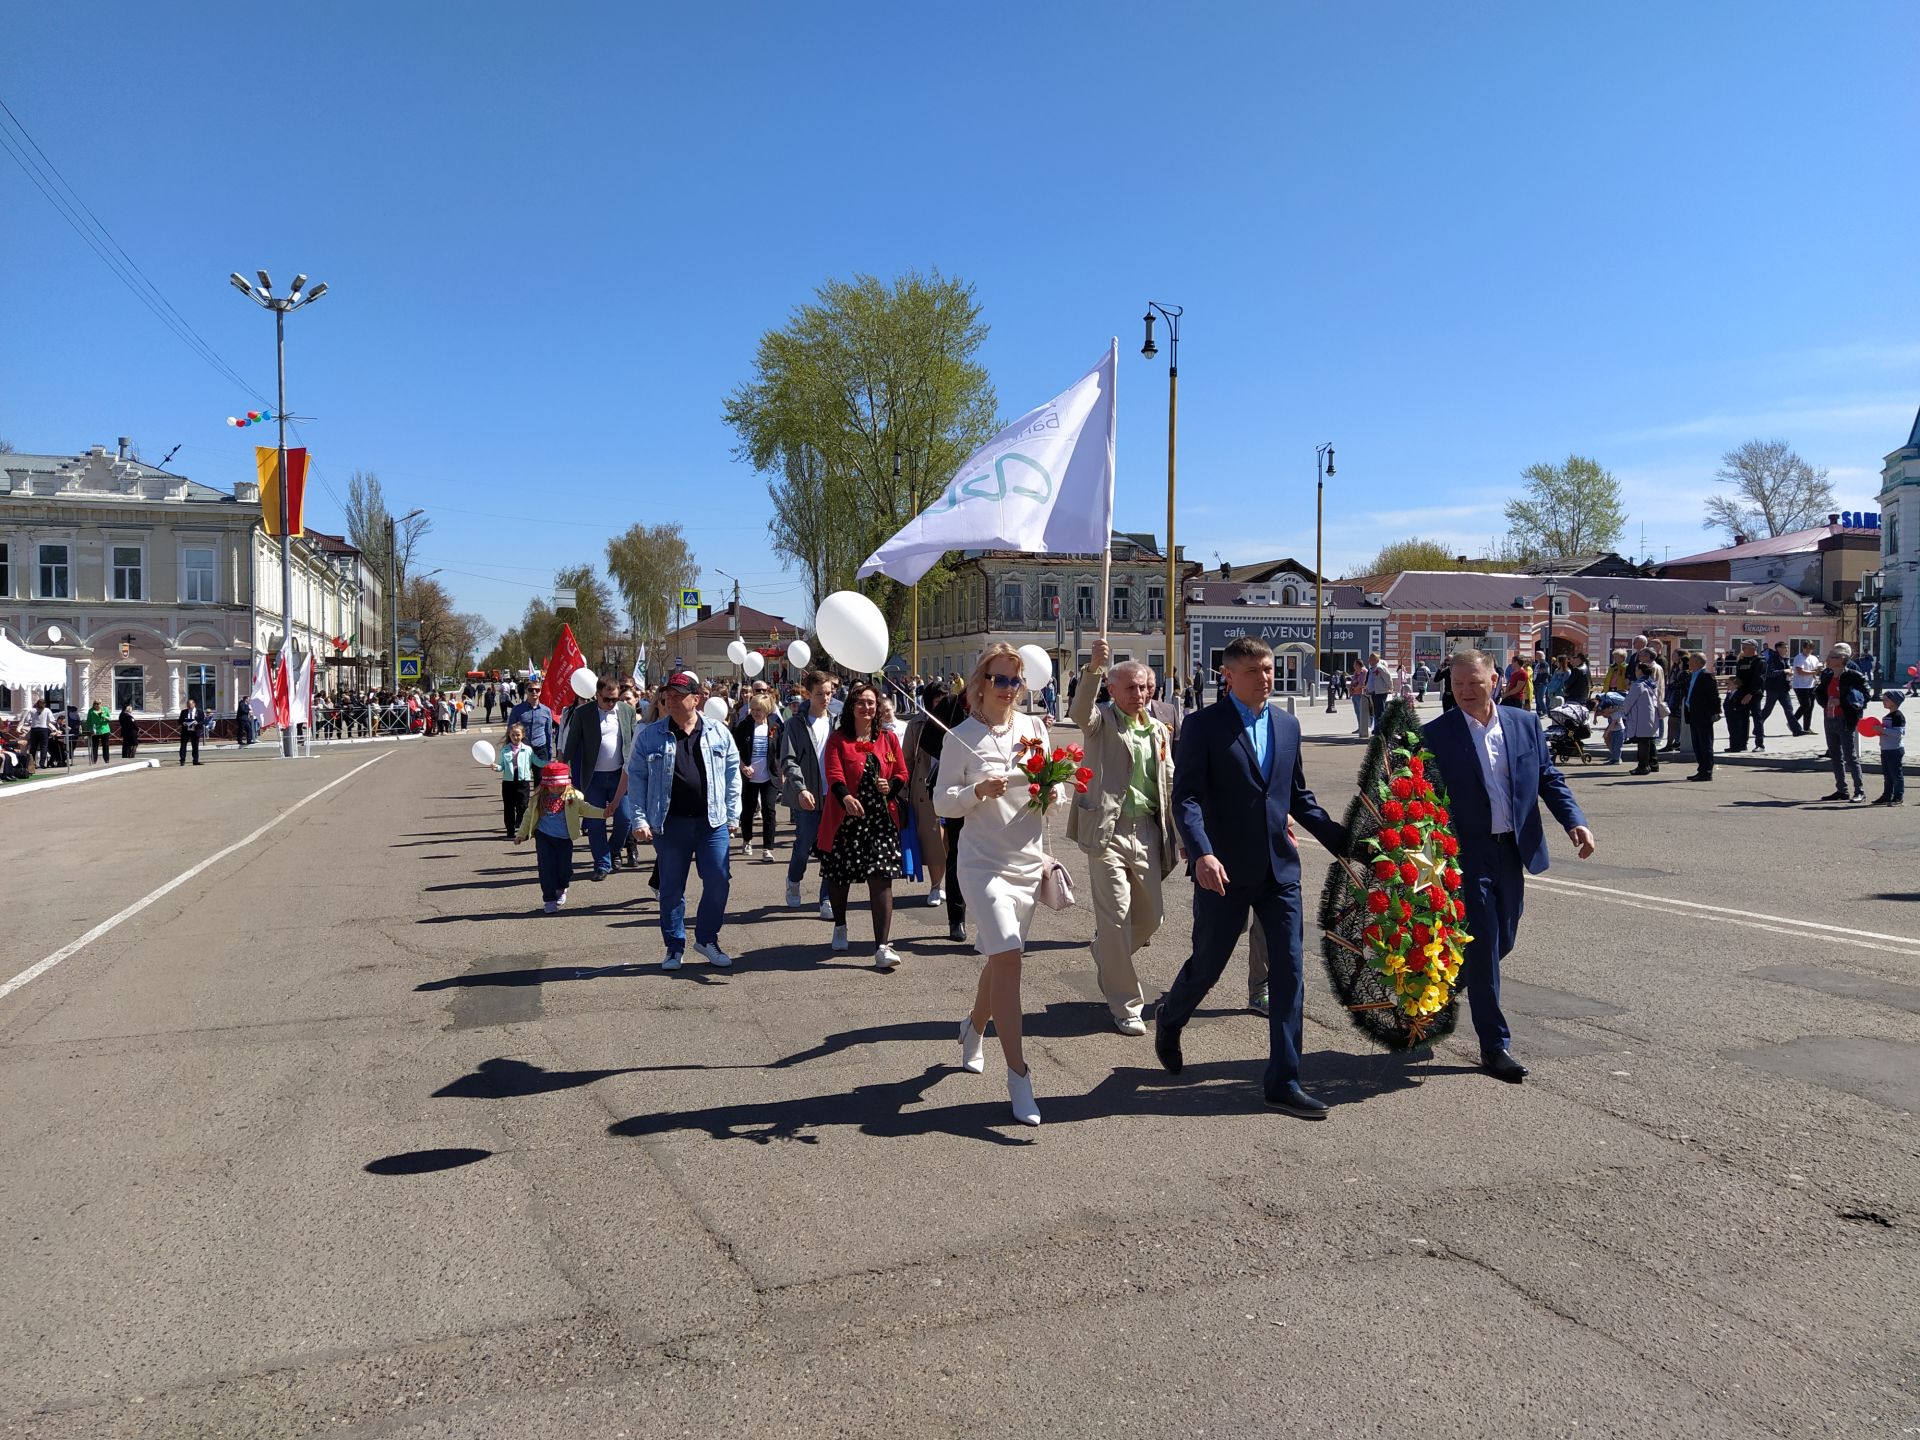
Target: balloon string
{"points": [[904, 695]]}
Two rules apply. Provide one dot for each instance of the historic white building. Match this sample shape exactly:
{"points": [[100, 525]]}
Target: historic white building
{"points": [[159, 586], [1895, 589]]}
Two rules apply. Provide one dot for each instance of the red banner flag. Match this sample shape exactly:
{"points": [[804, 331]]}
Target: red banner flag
{"points": [[282, 694], [266, 460], [556, 687]]}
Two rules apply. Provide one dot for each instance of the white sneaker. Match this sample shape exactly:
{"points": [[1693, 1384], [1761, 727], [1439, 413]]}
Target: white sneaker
{"points": [[886, 957], [826, 911], [715, 955], [839, 937], [562, 899], [973, 1047], [671, 962], [1020, 1092], [793, 897], [936, 896], [1129, 1024]]}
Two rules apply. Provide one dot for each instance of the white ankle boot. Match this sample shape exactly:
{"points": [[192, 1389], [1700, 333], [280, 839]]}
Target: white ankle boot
{"points": [[1020, 1092], [972, 1047]]}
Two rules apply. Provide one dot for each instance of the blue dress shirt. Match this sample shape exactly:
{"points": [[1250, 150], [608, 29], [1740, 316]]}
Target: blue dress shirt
{"points": [[1259, 730]]}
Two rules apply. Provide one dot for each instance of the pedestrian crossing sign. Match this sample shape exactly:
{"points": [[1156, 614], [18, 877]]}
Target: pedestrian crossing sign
{"points": [[689, 599], [409, 667]]}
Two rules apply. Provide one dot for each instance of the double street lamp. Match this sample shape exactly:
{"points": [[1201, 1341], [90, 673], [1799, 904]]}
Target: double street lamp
{"points": [[263, 296], [1171, 314]]}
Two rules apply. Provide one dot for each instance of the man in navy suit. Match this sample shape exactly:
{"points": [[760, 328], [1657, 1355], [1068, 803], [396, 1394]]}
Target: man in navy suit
{"points": [[1498, 772], [1236, 780]]}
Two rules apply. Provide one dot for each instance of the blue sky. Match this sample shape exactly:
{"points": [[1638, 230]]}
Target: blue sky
{"points": [[1452, 239]]}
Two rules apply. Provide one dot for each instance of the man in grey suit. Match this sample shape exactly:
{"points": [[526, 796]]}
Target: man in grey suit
{"points": [[802, 739]]}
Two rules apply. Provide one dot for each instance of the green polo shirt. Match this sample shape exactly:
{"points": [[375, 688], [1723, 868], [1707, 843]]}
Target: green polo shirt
{"points": [[1143, 782]]}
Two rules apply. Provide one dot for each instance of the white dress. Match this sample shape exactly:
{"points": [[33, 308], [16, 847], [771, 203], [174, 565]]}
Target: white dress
{"points": [[999, 861]]}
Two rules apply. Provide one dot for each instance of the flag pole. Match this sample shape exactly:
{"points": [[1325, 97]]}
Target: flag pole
{"points": [[1106, 551]]}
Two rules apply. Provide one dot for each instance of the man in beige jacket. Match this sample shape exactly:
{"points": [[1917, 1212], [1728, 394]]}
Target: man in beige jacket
{"points": [[1124, 822]]}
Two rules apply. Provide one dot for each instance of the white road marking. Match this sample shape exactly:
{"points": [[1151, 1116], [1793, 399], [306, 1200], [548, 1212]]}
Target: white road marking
{"points": [[68, 951], [1747, 919]]}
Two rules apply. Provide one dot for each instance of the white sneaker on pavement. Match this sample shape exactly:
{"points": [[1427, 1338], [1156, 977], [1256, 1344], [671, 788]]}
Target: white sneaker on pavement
{"points": [[562, 898], [793, 897], [1129, 1024], [715, 955], [885, 957], [936, 896], [670, 962], [839, 937], [826, 910]]}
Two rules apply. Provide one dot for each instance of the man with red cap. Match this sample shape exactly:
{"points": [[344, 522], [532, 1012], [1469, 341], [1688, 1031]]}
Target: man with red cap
{"points": [[684, 775]]}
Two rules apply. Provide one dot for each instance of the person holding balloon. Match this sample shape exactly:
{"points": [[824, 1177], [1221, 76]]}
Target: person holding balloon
{"points": [[803, 746], [999, 860], [1891, 728], [594, 742], [684, 776], [516, 775]]}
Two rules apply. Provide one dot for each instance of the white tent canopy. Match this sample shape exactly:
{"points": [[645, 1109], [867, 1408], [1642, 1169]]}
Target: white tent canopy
{"points": [[28, 670]]}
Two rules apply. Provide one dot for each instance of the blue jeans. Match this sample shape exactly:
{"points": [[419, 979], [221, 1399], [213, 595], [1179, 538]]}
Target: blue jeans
{"points": [[1893, 779], [599, 791], [687, 841], [806, 830], [554, 854], [1616, 737]]}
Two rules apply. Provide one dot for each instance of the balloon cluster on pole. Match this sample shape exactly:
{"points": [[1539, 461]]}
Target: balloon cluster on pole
{"points": [[252, 417]]}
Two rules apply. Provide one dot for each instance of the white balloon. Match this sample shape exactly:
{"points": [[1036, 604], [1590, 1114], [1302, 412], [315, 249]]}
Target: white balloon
{"points": [[483, 753], [715, 710], [754, 663], [852, 630], [53, 634], [736, 652], [799, 654], [583, 682], [1036, 667]]}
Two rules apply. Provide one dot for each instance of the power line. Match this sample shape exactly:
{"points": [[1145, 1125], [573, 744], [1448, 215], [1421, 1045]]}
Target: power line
{"points": [[50, 182]]}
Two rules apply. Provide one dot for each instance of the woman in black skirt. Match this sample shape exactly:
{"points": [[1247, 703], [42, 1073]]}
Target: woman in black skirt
{"points": [[865, 773]]}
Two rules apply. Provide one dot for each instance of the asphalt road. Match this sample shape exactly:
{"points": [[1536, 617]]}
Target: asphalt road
{"points": [[337, 1136]]}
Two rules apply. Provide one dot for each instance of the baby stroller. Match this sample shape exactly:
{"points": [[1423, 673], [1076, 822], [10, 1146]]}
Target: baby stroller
{"points": [[1568, 728]]}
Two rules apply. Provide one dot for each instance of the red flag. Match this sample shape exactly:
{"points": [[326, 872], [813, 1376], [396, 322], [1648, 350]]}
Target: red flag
{"points": [[556, 687], [282, 698]]}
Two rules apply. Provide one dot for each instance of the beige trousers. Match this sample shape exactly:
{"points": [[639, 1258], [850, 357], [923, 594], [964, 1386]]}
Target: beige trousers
{"points": [[1127, 909]]}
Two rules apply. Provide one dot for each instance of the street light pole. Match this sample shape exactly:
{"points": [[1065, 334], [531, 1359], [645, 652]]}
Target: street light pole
{"points": [[262, 295], [1172, 314], [1613, 633], [1322, 467]]}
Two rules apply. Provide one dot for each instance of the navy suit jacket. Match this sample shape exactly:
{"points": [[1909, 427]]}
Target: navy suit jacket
{"points": [[1223, 807], [1532, 779]]}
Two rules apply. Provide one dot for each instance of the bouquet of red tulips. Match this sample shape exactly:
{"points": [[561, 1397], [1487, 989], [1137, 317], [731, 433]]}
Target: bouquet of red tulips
{"points": [[1065, 766]]}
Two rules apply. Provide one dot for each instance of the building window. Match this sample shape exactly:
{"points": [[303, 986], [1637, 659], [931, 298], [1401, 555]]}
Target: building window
{"points": [[1156, 602], [1011, 609], [1892, 538], [129, 687], [1122, 605], [53, 573], [6, 569], [1429, 646], [200, 685], [1083, 602], [1559, 607], [1049, 600], [196, 575], [127, 573]]}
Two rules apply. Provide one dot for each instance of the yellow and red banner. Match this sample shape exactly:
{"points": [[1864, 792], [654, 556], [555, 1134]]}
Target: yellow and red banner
{"points": [[267, 460]]}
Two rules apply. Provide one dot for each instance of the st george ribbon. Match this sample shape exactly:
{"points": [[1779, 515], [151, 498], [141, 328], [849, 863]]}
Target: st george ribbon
{"points": [[1044, 484]]}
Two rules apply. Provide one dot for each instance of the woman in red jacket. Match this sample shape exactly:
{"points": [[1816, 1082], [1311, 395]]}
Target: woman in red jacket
{"points": [[865, 774]]}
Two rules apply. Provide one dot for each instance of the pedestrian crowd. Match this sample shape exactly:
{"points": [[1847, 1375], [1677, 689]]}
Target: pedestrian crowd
{"points": [[949, 792]]}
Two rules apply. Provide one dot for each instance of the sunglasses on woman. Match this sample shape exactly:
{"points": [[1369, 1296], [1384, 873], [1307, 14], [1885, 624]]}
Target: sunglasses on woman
{"points": [[1005, 682]]}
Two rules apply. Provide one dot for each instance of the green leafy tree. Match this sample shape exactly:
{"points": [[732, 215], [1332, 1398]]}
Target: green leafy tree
{"points": [[1570, 509], [651, 564], [869, 369], [1411, 554], [596, 625], [1774, 491], [367, 517]]}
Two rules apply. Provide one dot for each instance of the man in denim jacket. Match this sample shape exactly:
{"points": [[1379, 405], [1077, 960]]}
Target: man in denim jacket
{"points": [[684, 775]]}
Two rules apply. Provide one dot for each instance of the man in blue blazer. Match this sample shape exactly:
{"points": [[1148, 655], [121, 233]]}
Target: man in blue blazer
{"points": [[1498, 772], [1236, 780]]}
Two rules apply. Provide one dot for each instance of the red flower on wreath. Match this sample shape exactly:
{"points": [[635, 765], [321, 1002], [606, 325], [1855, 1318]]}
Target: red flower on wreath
{"points": [[1417, 810], [1417, 768], [1449, 846], [1406, 910], [1422, 936], [1389, 838], [1392, 812], [1377, 901], [1402, 788], [1409, 872], [1384, 869], [1440, 815], [1451, 877]]}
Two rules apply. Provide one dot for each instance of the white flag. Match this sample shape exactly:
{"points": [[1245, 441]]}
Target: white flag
{"points": [[1044, 484], [299, 681], [261, 700]]}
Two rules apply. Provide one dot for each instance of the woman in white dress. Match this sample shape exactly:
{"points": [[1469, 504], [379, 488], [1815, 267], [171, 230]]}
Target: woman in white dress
{"points": [[998, 862]]}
